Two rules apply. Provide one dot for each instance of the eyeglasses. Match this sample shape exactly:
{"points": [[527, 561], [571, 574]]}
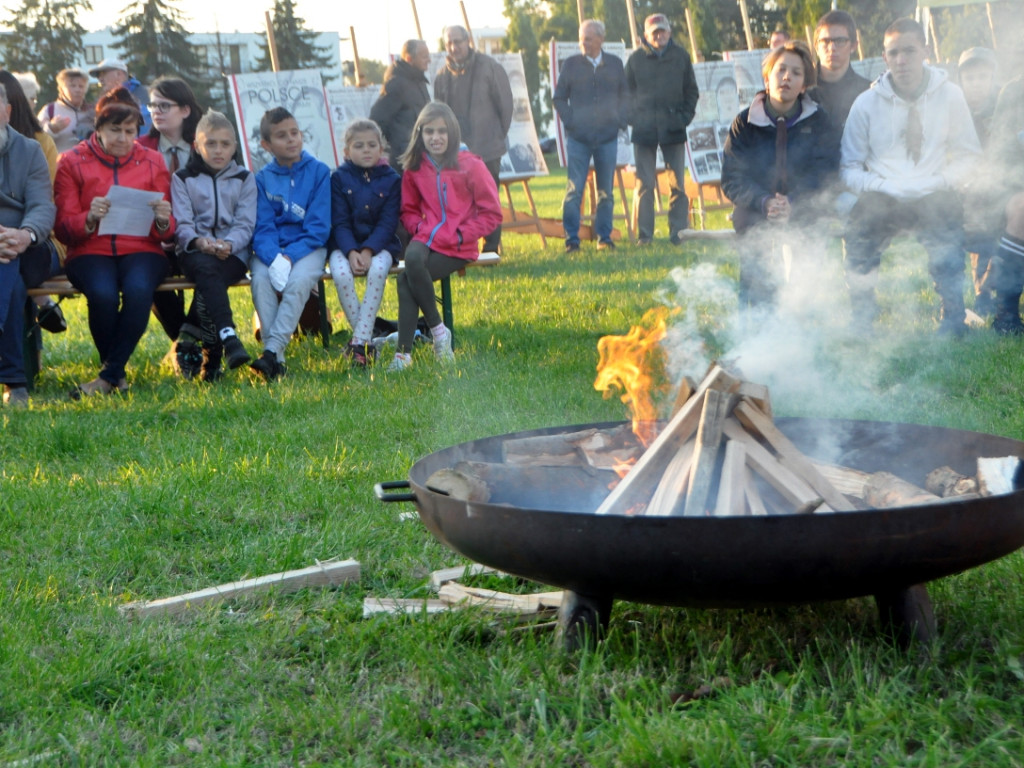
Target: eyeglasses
{"points": [[162, 106], [458, 40], [833, 42]]}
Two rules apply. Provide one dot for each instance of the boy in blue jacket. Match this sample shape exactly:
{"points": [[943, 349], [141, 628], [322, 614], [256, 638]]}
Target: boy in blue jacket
{"points": [[293, 223]]}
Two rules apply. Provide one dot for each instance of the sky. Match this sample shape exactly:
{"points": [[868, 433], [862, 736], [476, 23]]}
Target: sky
{"points": [[381, 26]]}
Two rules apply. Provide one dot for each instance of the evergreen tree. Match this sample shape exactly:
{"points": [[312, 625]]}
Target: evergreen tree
{"points": [[296, 45], [45, 38], [155, 43]]}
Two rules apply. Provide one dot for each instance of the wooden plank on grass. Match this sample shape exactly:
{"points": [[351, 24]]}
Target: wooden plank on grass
{"points": [[328, 574], [373, 606], [439, 578]]}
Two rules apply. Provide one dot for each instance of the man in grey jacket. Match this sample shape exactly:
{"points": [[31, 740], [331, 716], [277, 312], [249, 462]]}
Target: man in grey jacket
{"points": [[26, 218], [477, 89], [664, 94]]}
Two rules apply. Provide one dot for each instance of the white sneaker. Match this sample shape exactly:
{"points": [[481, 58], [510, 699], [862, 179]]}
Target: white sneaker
{"points": [[443, 347], [400, 362]]}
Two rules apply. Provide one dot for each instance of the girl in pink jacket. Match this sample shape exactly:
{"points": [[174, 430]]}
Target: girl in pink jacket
{"points": [[449, 201]]}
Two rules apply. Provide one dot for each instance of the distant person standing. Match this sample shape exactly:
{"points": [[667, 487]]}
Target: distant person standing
{"points": [[835, 40], [779, 37], [70, 118], [113, 74], [403, 96], [477, 89], [663, 93], [591, 98]]}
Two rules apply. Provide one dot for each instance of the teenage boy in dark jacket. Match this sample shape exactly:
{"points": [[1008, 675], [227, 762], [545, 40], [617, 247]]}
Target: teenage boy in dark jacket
{"points": [[664, 94], [592, 101]]}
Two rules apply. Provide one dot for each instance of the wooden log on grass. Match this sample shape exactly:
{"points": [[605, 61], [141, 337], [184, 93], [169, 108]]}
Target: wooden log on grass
{"points": [[328, 574]]}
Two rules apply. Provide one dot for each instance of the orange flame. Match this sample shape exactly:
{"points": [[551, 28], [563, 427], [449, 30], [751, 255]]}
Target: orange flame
{"points": [[630, 363]]}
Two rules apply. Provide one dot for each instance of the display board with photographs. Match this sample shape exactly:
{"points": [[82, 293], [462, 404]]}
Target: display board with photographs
{"points": [[345, 104], [719, 103], [301, 92]]}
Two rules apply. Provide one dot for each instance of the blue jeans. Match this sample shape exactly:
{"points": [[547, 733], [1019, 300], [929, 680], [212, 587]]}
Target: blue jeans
{"points": [[578, 160], [119, 292], [12, 324]]}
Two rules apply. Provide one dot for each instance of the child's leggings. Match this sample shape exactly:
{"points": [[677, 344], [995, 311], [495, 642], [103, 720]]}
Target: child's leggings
{"points": [[416, 289], [360, 315]]}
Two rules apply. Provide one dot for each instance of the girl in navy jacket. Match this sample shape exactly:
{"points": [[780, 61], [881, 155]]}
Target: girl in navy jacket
{"points": [[365, 203]]}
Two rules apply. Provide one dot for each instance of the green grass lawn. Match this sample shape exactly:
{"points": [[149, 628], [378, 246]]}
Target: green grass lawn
{"points": [[179, 486]]}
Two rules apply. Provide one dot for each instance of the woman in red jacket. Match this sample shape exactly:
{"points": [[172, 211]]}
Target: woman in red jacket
{"points": [[449, 201], [118, 273]]}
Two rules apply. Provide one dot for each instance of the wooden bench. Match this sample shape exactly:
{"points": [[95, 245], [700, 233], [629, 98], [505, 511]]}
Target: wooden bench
{"points": [[62, 288]]}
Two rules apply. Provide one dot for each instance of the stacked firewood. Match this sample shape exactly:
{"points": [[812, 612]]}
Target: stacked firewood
{"points": [[719, 454]]}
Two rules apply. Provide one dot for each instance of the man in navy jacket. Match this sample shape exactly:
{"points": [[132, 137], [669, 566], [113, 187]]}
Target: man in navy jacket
{"points": [[591, 100]]}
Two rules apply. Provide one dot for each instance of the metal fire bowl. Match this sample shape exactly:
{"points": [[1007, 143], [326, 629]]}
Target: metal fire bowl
{"points": [[545, 530]]}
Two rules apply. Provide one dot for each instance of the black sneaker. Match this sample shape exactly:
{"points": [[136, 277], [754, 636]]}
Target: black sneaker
{"points": [[606, 245], [572, 247], [51, 318], [267, 365], [1008, 324], [235, 352], [189, 356]]}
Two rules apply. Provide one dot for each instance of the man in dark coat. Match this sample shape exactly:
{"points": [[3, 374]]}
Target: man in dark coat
{"points": [[592, 101], [26, 256], [477, 89], [403, 96], [664, 94], [835, 40]]}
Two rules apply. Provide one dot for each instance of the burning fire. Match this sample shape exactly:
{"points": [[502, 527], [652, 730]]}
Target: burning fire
{"points": [[634, 364]]}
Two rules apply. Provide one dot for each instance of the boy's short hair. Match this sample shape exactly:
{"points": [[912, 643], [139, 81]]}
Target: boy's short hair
{"points": [[72, 73], [837, 19], [905, 27], [801, 49], [362, 126], [215, 121], [271, 118]]}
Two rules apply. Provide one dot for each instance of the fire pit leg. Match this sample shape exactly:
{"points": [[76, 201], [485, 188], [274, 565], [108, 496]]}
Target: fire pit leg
{"points": [[908, 614], [582, 619]]}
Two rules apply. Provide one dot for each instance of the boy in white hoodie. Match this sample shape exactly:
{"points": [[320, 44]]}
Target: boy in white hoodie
{"points": [[908, 149]]}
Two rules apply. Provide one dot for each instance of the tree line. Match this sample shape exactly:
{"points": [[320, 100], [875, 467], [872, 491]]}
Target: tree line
{"points": [[46, 37]]}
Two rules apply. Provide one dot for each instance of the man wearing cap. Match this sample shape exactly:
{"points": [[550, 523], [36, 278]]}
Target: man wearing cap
{"points": [[592, 101], [113, 73], [663, 91], [835, 40], [477, 89]]}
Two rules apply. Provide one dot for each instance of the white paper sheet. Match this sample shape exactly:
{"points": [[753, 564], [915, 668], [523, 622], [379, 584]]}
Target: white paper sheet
{"points": [[129, 212]]}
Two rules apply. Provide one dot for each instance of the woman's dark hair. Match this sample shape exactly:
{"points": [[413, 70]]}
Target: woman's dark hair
{"points": [[22, 120], [177, 90], [117, 107]]}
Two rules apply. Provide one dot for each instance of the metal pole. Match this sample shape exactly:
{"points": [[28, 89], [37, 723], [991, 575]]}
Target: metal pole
{"points": [[271, 42], [579, 10], [416, 18]]}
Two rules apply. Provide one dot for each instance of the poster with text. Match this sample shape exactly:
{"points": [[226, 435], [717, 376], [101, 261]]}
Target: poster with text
{"points": [[559, 53], [301, 92], [346, 103]]}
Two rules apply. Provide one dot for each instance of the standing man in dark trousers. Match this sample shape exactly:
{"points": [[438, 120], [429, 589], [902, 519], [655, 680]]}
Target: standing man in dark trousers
{"points": [[663, 91], [403, 96], [477, 89], [592, 101], [835, 40]]}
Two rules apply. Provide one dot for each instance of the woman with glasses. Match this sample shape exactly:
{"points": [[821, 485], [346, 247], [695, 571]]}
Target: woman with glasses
{"points": [[175, 113]]}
